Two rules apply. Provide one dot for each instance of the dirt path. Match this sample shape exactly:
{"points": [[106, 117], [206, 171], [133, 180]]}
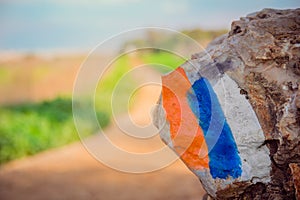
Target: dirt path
{"points": [[72, 173]]}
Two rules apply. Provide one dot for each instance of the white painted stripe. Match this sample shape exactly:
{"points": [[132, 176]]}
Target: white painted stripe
{"points": [[246, 130]]}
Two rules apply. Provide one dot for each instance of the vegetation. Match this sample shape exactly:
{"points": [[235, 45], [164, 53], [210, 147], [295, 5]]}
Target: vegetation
{"points": [[30, 128], [201, 35], [110, 83], [169, 42], [166, 61]]}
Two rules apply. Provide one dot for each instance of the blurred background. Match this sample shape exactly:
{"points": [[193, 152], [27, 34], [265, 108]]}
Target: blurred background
{"points": [[42, 46]]}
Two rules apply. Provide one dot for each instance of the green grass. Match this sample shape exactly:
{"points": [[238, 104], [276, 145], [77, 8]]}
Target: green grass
{"points": [[5, 75], [108, 84], [169, 60], [33, 127], [29, 128]]}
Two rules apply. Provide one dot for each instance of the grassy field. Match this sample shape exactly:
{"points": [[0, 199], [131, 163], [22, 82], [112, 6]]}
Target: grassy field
{"points": [[167, 60], [108, 83], [29, 128], [37, 125]]}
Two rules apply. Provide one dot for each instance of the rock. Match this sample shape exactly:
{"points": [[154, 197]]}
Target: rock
{"points": [[232, 113]]}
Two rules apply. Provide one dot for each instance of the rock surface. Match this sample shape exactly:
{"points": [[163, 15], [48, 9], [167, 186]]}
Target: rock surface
{"points": [[250, 78]]}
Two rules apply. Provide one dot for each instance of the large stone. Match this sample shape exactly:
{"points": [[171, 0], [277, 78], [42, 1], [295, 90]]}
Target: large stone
{"points": [[232, 113]]}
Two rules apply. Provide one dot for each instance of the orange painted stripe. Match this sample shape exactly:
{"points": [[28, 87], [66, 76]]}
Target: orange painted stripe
{"points": [[186, 134]]}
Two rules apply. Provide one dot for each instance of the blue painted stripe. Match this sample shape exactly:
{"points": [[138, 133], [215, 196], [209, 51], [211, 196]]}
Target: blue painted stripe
{"points": [[223, 153]]}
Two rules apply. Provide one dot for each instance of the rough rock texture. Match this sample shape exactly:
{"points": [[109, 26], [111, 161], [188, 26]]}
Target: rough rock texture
{"points": [[259, 57]]}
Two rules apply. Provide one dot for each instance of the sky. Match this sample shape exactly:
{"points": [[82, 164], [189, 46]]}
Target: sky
{"points": [[35, 25]]}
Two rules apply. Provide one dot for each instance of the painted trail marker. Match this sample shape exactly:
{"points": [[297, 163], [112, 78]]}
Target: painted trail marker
{"points": [[232, 113], [204, 131]]}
